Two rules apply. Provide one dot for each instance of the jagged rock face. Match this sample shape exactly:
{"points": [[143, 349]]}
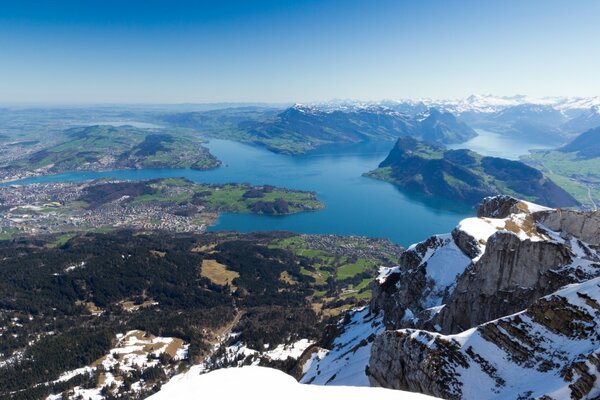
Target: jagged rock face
{"points": [[466, 243], [511, 256], [410, 292], [509, 276], [392, 296], [508, 259], [497, 207], [585, 226], [402, 360], [549, 351]]}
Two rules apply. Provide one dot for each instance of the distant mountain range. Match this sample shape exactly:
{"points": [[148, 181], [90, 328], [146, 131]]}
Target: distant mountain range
{"points": [[556, 119], [301, 128], [465, 175], [473, 103], [588, 119]]}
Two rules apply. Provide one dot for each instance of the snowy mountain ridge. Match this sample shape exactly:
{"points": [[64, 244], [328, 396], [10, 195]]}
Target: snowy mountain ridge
{"points": [[487, 103], [505, 306]]}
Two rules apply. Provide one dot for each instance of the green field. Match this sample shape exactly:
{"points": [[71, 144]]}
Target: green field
{"points": [[237, 198], [340, 278], [578, 176], [103, 147]]}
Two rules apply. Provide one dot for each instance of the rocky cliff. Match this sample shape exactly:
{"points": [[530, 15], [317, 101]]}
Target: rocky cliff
{"points": [[510, 264], [548, 351], [507, 305]]}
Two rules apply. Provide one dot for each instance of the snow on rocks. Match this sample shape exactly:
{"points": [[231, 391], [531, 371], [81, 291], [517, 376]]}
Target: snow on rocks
{"points": [[345, 363], [549, 349]]}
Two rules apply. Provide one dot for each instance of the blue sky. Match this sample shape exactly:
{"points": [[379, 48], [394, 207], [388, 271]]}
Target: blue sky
{"points": [[91, 51]]}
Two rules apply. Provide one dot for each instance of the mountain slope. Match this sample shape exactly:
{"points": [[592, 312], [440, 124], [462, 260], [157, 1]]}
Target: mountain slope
{"points": [[465, 175], [516, 257], [586, 145], [548, 351], [586, 120], [301, 128], [575, 166]]}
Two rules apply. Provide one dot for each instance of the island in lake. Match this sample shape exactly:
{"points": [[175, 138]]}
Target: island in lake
{"points": [[173, 204]]}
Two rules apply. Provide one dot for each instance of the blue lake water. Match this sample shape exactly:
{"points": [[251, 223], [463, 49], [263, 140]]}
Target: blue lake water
{"points": [[497, 145], [354, 204]]}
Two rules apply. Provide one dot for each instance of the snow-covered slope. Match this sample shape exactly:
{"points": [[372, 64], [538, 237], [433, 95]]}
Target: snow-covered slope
{"points": [[265, 384], [551, 351], [524, 313], [345, 362]]}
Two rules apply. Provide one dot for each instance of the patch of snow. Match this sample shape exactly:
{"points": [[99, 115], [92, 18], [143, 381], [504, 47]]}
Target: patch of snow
{"points": [[294, 350], [75, 266], [384, 272], [266, 384], [445, 263]]}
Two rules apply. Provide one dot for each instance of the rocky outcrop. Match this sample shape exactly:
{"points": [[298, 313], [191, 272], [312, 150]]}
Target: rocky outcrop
{"points": [[514, 256], [548, 351], [403, 360], [582, 225], [497, 207], [411, 291], [509, 276], [502, 262]]}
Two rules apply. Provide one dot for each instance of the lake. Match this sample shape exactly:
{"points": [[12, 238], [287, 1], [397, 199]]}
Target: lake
{"points": [[355, 205], [497, 145]]}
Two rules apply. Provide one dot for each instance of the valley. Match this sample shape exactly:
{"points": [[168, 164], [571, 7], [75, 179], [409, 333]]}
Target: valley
{"points": [[574, 166]]}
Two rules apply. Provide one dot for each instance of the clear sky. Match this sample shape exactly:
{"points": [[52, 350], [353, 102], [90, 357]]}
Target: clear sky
{"points": [[284, 51]]}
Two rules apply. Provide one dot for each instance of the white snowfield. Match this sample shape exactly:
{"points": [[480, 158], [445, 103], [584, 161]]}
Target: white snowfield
{"points": [[266, 384]]}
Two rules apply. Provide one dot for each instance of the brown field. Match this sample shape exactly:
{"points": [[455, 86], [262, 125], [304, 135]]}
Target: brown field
{"points": [[218, 273], [131, 306]]}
